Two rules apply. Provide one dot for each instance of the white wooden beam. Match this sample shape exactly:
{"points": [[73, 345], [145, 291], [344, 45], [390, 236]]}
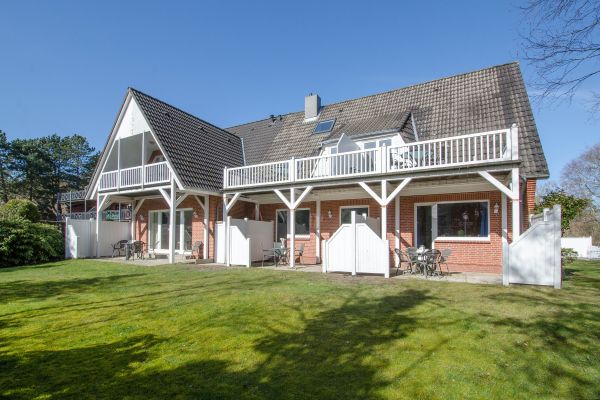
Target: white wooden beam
{"points": [[138, 206], [200, 202], [488, 177], [302, 196], [398, 189], [165, 196], [371, 193], [181, 199], [172, 216], [283, 198], [516, 205], [231, 203]]}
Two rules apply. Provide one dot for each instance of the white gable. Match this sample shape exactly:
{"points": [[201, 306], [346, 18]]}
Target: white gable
{"points": [[133, 122]]}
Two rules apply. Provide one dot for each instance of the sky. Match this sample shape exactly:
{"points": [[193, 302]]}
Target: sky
{"points": [[65, 65]]}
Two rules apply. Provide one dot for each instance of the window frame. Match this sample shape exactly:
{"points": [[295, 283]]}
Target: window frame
{"points": [[434, 222], [181, 249], [298, 236], [357, 206], [332, 120]]}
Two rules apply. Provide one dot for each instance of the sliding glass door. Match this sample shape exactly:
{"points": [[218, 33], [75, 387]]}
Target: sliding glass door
{"points": [[159, 230]]}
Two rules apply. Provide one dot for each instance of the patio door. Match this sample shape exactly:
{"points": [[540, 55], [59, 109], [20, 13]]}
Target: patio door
{"points": [[424, 226], [159, 230]]}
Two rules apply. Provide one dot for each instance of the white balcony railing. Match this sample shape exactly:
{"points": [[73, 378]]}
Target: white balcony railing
{"points": [[150, 174], [455, 151]]}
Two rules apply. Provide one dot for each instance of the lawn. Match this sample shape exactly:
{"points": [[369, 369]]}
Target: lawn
{"points": [[87, 329]]}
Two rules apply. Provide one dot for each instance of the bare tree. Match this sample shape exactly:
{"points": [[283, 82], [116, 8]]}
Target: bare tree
{"points": [[562, 42], [581, 176]]}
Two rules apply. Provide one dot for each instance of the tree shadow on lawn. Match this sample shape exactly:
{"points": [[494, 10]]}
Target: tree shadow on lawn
{"points": [[562, 340], [330, 356], [31, 290]]}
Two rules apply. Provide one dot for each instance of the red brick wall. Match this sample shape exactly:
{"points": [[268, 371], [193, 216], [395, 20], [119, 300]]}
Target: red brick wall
{"points": [[528, 201]]}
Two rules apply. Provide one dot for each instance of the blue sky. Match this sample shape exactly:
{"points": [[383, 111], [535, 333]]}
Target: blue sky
{"points": [[65, 65]]}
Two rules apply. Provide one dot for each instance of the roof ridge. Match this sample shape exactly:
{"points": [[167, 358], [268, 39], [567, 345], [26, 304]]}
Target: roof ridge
{"points": [[134, 90], [391, 90]]}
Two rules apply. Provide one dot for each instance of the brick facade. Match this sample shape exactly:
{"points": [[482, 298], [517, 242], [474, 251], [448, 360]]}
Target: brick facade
{"points": [[528, 201], [467, 255]]}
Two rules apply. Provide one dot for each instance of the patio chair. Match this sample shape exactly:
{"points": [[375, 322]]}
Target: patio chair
{"points": [[446, 253], [413, 256], [403, 258], [138, 249], [119, 247], [196, 248], [275, 253], [300, 252], [431, 262]]}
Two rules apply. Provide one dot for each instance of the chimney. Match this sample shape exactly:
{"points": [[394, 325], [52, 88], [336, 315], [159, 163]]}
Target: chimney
{"points": [[312, 104]]}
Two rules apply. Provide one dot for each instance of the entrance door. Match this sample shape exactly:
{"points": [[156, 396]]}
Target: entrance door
{"points": [[424, 226]]}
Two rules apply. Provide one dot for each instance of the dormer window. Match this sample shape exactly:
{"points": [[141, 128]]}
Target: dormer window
{"points": [[324, 126]]}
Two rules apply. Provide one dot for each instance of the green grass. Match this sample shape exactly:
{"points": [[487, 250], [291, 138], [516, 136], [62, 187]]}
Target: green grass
{"points": [[86, 329]]}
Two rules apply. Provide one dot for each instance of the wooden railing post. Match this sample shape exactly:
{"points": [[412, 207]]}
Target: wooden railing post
{"points": [[292, 170], [514, 142]]}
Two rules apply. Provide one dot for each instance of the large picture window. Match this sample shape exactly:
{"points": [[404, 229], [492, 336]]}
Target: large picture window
{"points": [[302, 223], [463, 219]]}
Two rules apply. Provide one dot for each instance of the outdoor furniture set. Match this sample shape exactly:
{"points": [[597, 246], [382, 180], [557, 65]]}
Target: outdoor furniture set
{"points": [[280, 253], [424, 261]]}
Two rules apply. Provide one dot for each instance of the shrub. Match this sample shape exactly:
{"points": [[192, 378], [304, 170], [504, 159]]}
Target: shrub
{"points": [[568, 255], [24, 242], [20, 208]]}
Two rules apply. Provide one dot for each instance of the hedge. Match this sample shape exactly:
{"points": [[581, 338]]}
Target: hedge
{"points": [[24, 242]]}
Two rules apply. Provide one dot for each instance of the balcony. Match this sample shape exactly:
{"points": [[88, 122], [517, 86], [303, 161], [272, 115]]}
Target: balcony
{"points": [[456, 151], [66, 197], [135, 177]]}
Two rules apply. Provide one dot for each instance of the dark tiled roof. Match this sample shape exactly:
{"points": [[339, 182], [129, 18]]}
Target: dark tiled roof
{"points": [[484, 100], [197, 150]]}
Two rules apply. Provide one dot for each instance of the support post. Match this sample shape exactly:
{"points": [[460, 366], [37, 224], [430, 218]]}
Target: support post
{"points": [[256, 211], [143, 158], [383, 210], [98, 215], [397, 227], [318, 232], [516, 206], [292, 225], [118, 163], [173, 208], [205, 245], [225, 231], [505, 249], [133, 213]]}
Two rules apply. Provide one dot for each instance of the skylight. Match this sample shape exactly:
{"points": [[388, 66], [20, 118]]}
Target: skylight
{"points": [[325, 126]]}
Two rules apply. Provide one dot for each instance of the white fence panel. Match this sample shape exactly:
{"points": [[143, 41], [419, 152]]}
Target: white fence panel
{"points": [[582, 245], [339, 256], [247, 239], [110, 232], [357, 248], [534, 258], [80, 238]]}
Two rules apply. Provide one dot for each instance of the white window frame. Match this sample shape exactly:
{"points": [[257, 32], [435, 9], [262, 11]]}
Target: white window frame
{"points": [[434, 222], [288, 232], [181, 248], [357, 206]]}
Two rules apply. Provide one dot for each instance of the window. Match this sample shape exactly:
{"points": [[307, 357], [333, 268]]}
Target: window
{"points": [[463, 219], [325, 126], [159, 230], [385, 142], [302, 223], [346, 213]]}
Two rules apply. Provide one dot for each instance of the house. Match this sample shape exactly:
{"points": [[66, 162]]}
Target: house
{"points": [[451, 163]]}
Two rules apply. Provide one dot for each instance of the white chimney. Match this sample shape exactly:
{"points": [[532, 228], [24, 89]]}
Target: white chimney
{"points": [[312, 105]]}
